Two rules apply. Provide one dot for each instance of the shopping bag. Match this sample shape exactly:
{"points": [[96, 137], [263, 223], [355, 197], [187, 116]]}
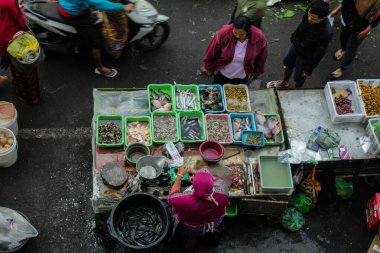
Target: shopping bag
{"points": [[25, 52], [310, 186]]}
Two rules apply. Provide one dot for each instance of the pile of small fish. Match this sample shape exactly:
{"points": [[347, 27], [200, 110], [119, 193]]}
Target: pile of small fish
{"points": [[218, 129], [254, 139], [140, 226], [240, 124], [164, 127], [160, 101], [109, 133], [271, 127], [185, 99], [211, 99], [237, 176], [138, 131], [237, 99], [191, 128]]}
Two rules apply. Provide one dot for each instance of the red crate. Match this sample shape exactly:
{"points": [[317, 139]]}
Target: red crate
{"points": [[373, 213]]}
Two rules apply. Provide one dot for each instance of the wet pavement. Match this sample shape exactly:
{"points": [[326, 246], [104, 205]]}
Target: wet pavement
{"points": [[51, 181]]}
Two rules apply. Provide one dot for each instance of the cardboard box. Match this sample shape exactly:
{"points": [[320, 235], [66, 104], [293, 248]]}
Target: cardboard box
{"points": [[373, 213], [375, 245]]}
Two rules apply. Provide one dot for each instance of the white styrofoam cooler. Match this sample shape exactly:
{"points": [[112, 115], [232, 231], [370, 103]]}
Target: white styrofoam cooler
{"points": [[357, 104], [373, 83]]}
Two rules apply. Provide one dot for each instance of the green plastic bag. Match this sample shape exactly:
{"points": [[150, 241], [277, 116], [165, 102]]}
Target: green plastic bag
{"points": [[292, 220], [301, 202], [24, 47], [344, 189]]}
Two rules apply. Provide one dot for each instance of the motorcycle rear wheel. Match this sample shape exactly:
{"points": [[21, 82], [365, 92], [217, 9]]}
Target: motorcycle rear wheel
{"points": [[155, 39]]}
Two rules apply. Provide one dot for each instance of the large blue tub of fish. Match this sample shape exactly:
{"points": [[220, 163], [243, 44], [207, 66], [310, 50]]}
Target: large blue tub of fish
{"points": [[140, 221]]}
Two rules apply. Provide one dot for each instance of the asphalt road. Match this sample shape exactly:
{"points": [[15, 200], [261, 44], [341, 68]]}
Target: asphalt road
{"points": [[52, 180]]}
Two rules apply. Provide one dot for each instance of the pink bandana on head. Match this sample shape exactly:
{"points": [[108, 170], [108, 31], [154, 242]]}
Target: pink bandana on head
{"points": [[201, 205], [203, 184]]}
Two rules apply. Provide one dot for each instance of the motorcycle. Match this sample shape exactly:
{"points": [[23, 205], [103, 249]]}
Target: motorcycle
{"points": [[148, 29]]}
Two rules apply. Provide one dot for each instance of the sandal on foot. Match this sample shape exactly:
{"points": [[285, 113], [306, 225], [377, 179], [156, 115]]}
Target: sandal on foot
{"points": [[277, 84], [109, 73], [338, 73], [339, 54]]}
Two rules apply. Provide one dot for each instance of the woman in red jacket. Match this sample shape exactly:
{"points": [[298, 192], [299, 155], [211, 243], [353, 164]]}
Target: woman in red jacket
{"points": [[12, 21], [237, 52]]}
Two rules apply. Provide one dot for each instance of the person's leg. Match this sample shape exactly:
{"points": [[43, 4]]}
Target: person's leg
{"points": [[299, 77], [221, 79], [343, 38], [289, 64], [3, 80], [87, 31], [351, 49], [238, 81], [350, 53]]}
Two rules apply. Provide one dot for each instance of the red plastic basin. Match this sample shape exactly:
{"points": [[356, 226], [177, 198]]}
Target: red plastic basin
{"points": [[211, 150]]}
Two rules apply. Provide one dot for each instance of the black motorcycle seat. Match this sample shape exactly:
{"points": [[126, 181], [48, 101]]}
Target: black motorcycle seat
{"points": [[50, 11]]}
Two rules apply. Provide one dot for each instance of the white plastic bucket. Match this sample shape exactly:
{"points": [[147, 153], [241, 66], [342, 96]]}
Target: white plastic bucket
{"points": [[9, 156], [12, 124]]}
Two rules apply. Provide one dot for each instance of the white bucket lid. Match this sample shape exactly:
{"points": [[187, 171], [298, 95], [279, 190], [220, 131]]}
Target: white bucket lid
{"points": [[8, 122], [6, 151]]}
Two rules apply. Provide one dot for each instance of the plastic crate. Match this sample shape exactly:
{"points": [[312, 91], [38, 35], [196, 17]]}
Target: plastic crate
{"points": [[375, 144], [118, 120], [374, 83], [166, 88], [232, 209], [140, 119], [274, 176], [247, 133], [272, 143], [357, 106], [198, 114], [243, 86], [227, 118], [159, 113], [220, 89], [192, 87], [241, 116]]}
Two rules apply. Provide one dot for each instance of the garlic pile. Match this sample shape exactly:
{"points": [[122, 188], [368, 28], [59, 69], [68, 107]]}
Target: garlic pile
{"points": [[6, 140]]}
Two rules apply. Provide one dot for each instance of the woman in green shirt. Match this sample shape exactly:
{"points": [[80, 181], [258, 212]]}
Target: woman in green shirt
{"points": [[252, 9]]}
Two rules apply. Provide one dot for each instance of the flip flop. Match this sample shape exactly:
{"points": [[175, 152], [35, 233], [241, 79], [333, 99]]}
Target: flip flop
{"points": [[111, 73], [338, 73], [276, 84], [339, 54]]}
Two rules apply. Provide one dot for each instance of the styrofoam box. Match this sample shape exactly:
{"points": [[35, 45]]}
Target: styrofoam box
{"points": [[357, 105], [375, 146], [373, 83]]}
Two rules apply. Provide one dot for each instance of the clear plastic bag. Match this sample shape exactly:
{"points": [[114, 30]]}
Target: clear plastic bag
{"points": [[14, 229], [124, 102], [297, 154]]}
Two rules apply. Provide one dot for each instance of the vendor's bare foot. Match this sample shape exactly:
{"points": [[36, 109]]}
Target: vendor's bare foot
{"points": [[3, 80]]}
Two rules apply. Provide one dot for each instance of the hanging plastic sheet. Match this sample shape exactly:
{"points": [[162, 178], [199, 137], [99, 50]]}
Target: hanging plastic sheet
{"points": [[124, 102]]}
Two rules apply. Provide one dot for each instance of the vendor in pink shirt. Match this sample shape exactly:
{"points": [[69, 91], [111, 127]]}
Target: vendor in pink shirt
{"points": [[200, 209], [237, 52]]}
